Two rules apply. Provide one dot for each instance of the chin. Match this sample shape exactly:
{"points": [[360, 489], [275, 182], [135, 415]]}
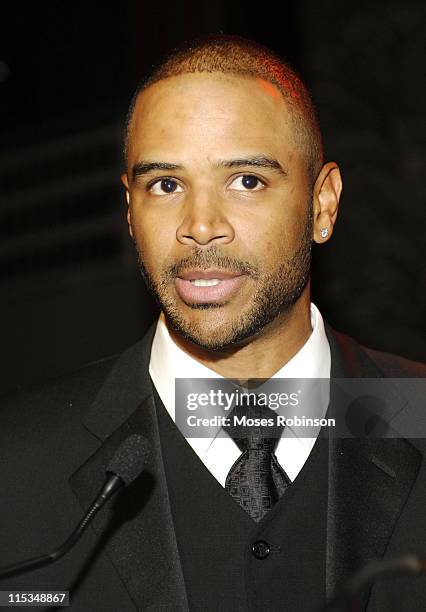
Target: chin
{"points": [[213, 335]]}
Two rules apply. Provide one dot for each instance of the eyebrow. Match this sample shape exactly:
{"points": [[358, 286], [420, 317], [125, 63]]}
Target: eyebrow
{"points": [[256, 161], [144, 167]]}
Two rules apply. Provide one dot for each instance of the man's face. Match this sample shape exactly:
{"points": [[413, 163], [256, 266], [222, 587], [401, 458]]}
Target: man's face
{"points": [[219, 205]]}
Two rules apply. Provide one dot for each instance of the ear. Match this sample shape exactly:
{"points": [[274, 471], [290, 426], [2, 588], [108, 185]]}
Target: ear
{"points": [[327, 190], [125, 182]]}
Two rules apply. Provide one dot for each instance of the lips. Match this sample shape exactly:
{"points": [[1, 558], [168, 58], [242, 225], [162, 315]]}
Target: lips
{"points": [[208, 274], [222, 286]]}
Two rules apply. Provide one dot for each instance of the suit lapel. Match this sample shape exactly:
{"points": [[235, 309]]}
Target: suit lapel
{"points": [[369, 479], [136, 529]]}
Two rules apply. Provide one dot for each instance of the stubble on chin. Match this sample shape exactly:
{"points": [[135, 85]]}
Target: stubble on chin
{"points": [[273, 295]]}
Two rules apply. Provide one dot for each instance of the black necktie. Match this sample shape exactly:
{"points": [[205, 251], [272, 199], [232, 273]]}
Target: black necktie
{"points": [[256, 480]]}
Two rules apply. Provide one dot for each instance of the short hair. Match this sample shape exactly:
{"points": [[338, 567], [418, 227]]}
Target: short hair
{"points": [[238, 56]]}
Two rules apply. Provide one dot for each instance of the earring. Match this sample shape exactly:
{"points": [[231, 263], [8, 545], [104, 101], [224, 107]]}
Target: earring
{"points": [[324, 232]]}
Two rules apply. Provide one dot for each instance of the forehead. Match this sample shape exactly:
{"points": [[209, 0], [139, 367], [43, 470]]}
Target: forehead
{"points": [[214, 111]]}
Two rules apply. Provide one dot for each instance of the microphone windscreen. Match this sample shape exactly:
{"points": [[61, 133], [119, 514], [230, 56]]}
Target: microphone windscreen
{"points": [[130, 458]]}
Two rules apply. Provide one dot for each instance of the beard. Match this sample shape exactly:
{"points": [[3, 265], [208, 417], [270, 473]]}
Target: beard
{"points": [[275, 294]]}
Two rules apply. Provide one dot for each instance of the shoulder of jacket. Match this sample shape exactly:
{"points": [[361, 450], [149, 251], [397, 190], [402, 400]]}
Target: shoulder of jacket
{"points": [[388, 364], [61, 398], [395, 366]]}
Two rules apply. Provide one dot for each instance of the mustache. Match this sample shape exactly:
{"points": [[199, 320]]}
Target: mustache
{"points": [[211, 258]]}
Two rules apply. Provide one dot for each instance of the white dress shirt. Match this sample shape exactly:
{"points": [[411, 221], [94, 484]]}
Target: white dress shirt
{"points": [[312, 361]]}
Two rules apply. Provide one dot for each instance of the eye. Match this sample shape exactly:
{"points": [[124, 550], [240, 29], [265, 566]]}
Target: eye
{"points": [[247, 182], [164, 186]]}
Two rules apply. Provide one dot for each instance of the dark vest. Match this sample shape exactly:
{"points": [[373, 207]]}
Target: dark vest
{"points": [[232, 564]]}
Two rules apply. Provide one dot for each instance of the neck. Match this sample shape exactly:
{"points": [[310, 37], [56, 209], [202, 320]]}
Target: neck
{"points": [[264, 354]]}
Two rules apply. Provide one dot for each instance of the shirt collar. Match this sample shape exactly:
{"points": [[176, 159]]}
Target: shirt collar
{"points": [[168, 362]]}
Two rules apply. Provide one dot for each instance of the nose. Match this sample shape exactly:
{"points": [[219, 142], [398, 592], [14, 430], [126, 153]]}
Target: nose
{"points": [[204, 223]]}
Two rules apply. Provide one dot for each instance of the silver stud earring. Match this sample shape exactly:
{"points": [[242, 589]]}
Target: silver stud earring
{"points": [[324, 232]]}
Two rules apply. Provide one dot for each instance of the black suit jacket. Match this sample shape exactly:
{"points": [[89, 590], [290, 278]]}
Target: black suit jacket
{"points": [[56, 442]]}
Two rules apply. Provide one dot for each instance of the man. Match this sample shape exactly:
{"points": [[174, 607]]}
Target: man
{"points": [[226, 189]]}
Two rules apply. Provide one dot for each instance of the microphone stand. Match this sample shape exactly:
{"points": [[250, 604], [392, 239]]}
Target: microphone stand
{"points": [[113, 484]]}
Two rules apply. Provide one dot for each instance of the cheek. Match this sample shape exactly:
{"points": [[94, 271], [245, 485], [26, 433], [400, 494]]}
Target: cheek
{"points": [[154, 239], [289, 221], [274, 236]]}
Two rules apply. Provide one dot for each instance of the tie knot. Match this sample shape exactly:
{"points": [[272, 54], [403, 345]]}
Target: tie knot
{"points": [[253, 426]]}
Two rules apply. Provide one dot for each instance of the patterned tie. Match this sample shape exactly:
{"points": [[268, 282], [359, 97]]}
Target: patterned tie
{"points": [[256, 480]]}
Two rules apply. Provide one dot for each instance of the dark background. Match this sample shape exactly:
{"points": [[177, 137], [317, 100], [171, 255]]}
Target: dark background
{"points": [[70, 289]]}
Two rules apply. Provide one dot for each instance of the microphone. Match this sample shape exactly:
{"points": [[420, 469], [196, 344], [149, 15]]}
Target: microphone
{"points": [[125, 466]]}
